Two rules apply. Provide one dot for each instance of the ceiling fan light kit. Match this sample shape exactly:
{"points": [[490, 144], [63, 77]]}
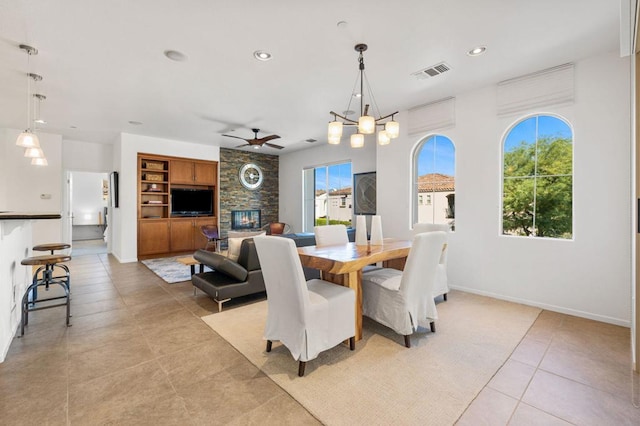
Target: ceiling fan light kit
{"points": [[366, 123]]}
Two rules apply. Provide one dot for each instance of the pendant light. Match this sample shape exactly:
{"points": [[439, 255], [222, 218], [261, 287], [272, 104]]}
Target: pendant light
{"points": [[28, 139]]}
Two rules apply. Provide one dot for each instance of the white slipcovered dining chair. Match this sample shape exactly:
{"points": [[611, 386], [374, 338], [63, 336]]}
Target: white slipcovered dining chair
{"points": [[403, 300], [329, 235], [441, 286], [307, 317]]}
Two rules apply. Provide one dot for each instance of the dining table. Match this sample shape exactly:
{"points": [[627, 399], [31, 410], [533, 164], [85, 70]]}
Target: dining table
{"points": [[343, 264]]}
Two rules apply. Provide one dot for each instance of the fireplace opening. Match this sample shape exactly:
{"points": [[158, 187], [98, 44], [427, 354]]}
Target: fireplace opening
{"points": [[245, 219]]}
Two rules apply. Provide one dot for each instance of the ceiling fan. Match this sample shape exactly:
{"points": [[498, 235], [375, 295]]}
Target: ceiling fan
{"points": [[257, 142]]}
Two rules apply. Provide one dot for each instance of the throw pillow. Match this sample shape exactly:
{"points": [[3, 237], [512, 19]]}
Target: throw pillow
{"points": [[236, 242]]}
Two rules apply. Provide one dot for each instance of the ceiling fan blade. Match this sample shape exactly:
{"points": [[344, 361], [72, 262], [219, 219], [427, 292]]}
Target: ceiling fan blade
{"points": [[267, 138], [237, 137], [244, 144], [272, 145]]}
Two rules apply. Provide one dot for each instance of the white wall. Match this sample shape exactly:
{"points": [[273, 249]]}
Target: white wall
{"points": [[126, 149], [86, 156], [589, 276], [291, 166], [33, 188]]}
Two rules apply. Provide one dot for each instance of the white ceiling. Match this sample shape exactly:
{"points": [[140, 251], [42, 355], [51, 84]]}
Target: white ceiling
{"points": [[103, 63]]}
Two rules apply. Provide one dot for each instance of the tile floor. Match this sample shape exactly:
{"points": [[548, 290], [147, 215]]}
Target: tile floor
{"points": [[137, 353]]}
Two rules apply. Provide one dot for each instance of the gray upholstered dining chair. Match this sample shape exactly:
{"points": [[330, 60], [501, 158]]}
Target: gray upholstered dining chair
{"points": [[307, 317], [441, 286], [403, 300]]}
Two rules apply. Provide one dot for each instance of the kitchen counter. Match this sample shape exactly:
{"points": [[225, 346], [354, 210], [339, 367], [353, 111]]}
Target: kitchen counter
{"points": [[28, 215], [16, 240]]}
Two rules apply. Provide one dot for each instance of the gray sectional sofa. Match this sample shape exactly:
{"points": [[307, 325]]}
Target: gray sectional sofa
{"points": [[231, 279]]}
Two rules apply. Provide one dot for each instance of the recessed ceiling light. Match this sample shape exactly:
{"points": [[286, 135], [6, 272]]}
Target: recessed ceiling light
{"points": [[136, 123], [348, 112], [477, 51], [174, 55], [40, 121], [311, 140], [261, 55], [342, 24], [357, 95], [72, 127]]}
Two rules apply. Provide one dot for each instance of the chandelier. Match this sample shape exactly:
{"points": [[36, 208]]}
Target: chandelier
{"points": [[366, 123]]}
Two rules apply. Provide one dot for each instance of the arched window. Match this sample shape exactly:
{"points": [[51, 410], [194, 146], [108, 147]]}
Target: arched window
{"points": [[537, 187], [434, 181]]}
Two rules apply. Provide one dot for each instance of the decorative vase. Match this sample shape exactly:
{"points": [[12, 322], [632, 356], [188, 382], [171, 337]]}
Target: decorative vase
{"points": [[361, 230], [376, 231]]}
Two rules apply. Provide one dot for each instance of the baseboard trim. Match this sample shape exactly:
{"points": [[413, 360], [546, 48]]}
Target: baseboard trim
{"points": [[554, 308]]}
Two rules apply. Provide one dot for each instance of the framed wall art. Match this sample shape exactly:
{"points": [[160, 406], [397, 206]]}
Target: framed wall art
{"points": [[364, 193]]}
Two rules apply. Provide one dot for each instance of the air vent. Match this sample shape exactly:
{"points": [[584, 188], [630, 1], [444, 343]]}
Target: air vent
{"points": [[432, 71]]}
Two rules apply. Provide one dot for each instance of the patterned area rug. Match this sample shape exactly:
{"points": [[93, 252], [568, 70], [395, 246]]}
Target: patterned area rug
{"points": [[170, 270]]}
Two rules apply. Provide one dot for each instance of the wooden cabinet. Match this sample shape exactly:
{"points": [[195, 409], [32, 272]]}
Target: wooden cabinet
{"points": [[193, 172], [186, 234], [153, 236], [158, 232]]}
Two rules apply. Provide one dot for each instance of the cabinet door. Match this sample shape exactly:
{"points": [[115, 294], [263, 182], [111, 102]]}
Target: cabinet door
{"points": [[182, 234], [153, 236], [199, 240], [181, 171], [205, 173]]}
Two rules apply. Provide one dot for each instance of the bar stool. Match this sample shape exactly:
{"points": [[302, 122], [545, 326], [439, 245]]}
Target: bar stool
{"points": [[53, 247], [46, 265]]}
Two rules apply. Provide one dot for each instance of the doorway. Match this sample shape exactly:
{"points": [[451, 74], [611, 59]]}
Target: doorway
{"points": [[86, 215]]}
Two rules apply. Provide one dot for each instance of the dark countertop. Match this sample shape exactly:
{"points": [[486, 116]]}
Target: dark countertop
{"points": [[28, 215]]}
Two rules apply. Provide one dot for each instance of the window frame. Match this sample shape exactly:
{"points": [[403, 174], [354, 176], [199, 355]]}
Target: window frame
{"points": [[503, 139], [415, 196]]}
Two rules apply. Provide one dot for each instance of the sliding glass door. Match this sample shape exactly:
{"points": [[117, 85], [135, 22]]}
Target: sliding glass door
{"points": [[327, 195]]}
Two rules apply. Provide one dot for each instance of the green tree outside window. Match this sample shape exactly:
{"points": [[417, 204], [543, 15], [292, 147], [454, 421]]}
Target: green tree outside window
{"points": [[537, 197]]}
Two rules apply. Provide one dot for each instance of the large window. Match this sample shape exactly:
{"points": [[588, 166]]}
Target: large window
{"points": [[327, 194], [434, 181], [537, 193]]}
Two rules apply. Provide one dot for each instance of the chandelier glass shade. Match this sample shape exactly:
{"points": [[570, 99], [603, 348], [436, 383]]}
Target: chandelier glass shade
{"points": [[366, 124]]}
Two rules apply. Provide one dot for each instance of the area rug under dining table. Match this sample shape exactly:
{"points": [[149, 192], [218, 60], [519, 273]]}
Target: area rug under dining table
{"points": [[382, 382]]}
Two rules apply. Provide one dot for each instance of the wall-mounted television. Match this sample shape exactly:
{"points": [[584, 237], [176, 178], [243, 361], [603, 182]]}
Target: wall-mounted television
{"points": [[191, 202]]}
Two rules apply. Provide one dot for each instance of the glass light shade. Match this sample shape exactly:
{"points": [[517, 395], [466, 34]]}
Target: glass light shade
{"points": [[334, 140], [28, 140], [366, 125], [39, 162], [383, 138], [33, 153], [357, 140], [393, 129], [335, 129]]}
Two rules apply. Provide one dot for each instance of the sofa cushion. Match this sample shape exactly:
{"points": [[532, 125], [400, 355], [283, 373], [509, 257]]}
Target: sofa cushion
{"points": [[236, 242]]}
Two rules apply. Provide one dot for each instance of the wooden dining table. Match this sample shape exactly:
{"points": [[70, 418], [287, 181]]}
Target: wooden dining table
{"points": [[343, 264]]}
